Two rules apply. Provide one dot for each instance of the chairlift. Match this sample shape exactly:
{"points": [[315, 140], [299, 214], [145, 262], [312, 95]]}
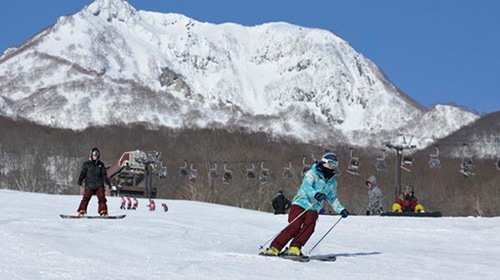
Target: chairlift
{"points": [[380, 164], [193, 174], [305, 166], [288, 171], [162, 172], [434, 161], [467, 164], [406, 159], [183, 169], [250, 173], [264, 173], [353, 167], [212, 174], [226, 178]]}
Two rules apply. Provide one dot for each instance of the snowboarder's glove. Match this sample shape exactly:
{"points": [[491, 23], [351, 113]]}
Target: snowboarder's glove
{"points": [[320, 196], [344, 213]]}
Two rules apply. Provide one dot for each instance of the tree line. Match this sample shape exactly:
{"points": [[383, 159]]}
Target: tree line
{"points": [[35, 158]]}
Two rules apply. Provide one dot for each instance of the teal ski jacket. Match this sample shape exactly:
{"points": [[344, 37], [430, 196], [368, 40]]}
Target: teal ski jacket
{"points": [[314, 182]]}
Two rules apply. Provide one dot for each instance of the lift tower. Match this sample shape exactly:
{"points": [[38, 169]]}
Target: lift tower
{"points": [[403, 147]]}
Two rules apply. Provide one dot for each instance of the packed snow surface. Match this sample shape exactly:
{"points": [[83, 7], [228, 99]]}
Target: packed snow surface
{"points": [[195, 240]]}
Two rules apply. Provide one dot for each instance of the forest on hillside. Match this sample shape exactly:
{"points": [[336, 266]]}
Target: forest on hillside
{"points": [[47, 160]]}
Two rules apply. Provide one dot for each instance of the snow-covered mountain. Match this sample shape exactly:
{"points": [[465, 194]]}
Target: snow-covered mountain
{"points": [[113, 64]]}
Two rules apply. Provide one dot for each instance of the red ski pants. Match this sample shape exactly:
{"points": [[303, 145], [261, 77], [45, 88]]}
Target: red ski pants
{"points": [[87, 195], [299, 231]]}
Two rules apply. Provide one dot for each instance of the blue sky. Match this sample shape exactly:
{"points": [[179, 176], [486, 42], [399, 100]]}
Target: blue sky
{"points": [[436, 51]]}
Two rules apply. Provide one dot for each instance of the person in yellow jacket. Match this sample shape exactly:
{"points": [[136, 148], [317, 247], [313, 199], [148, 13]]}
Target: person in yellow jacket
{"points": [[407, 202]]}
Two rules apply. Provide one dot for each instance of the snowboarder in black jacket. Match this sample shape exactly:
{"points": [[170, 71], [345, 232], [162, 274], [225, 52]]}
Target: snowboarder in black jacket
{"points": [[281, 204], [94, 174]]}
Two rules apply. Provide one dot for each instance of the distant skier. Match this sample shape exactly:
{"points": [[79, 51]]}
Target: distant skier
{"points": [[280, 203], [407, 202], [136, 204], [375, 197], [123, 203], [152, 205], [165, 207], [129, 203], [94, 175]]}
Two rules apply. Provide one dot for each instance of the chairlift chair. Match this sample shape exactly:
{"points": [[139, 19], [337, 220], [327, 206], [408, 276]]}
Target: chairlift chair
{"points": [[288, 171], [183, 169], [162, 172], [434, 161], [406, 159], [353, 167], [467, 164], [226, 178], [250, 173], [212, 174], [193, 174], [380, 164], [264, 173]]}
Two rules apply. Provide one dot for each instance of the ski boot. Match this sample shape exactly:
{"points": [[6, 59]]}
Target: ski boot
{"points": [[271, 251], [293, 251]]}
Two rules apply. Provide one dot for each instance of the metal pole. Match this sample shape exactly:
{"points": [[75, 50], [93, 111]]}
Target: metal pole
{"points": [[323, 237], [399, 158], [147, 192], [149, 180]]}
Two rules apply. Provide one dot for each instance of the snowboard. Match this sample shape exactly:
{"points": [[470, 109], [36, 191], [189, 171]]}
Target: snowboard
{"points": [[412, 214], [92, 217]]}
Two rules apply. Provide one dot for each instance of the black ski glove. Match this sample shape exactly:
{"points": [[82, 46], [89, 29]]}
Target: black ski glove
{"points": [[320, 196], [344, 213]]}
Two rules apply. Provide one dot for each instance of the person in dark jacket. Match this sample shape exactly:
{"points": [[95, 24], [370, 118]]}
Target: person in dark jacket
{"points": [[375, 197], [94, 175], [281, 204]]}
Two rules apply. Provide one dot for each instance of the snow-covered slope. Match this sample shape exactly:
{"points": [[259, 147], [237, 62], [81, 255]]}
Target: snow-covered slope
{"points": [[196, 240], [111, 64]]}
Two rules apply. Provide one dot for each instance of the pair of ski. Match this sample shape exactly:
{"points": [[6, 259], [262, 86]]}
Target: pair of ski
{"points": [[324, 258], [92, 217]]}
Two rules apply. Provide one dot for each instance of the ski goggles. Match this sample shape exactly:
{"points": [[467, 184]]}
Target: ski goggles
{"points": [[332, 163], [331, 160], [95, 153]]}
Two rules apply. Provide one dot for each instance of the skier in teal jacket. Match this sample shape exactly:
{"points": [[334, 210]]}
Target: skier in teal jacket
{"points": [[319, 185]]}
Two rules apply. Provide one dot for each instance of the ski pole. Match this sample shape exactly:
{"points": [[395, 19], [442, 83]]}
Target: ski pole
{"points": [[270, 239], [323, 237]]}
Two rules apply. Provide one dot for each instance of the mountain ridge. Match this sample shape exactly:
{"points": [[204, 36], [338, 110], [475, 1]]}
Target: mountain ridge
{"points": [[113, 64]]}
